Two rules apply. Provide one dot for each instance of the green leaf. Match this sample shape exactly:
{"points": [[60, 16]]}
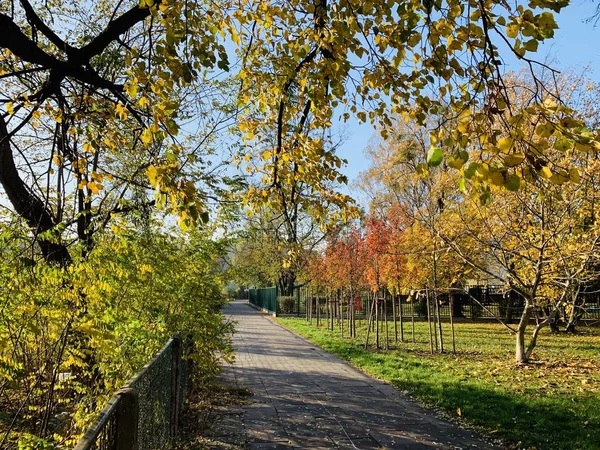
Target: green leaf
{"points": [[531, 45], [514, 160], [470, 171], [435, 156], [513, 183]]}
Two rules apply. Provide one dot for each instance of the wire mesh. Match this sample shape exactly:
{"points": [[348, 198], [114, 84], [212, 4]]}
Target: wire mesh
{"points": [[154, 400], [159, 389]]}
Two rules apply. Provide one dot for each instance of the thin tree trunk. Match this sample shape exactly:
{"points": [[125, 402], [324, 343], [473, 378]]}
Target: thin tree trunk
{"points": [[401, 318], [434, 323], [387, 335], [377, 320], [412, 317], [533, 340], [394, 314], [328, 309], [429, 323], [437, 303], [520, 354], [369, 320], [353, 313], [452, 322], [350, 314], [439, 321], [341, 320], [318, 310]]}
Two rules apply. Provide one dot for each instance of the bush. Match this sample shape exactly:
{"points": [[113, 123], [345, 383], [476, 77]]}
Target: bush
{"points": [[98, 321], [287, 304]]}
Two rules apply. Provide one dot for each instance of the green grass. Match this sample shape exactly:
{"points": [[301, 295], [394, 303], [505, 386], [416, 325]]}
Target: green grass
{"points": [[552, 403]]}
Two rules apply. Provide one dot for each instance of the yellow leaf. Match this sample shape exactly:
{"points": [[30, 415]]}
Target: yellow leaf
{"points": [[546, 172], [94, 187], [497, 179], [574, 175], [512, 30], [504, 144], [10, 108], [152, 173], [146, 137], [121, 111], [132, 89]]}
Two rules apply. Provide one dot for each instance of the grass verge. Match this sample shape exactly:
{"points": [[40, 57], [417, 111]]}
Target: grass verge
{"points": [[553, 403]]}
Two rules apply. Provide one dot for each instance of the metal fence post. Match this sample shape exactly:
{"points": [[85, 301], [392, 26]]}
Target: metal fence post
{"points": [[175, 375], [127, 420]]}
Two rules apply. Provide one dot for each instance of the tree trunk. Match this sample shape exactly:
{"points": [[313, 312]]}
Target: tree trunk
{"points": [[286, 283], [385, 318], [377, 320], [429, 323], [520, 354], [401, 318], [452, 322], [412, 319], [394, 314], [439, 321], [533, 340], [369, 320], [318, 310], [27, 204]]}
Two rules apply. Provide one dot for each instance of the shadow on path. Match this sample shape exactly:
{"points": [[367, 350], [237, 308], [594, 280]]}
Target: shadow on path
{"points": [[305, 397]]}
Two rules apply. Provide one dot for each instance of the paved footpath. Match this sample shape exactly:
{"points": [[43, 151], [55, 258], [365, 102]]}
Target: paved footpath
{"points": [[305, 397]]}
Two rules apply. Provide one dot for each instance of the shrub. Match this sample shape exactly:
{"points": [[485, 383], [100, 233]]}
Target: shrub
{"points": [[287, 304]]}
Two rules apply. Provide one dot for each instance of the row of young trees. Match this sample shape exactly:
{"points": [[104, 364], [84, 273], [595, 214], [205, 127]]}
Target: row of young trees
{"points": [[427, 231]]}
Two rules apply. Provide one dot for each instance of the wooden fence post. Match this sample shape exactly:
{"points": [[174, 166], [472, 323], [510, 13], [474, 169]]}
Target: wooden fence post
{"points": [[127, 420]]}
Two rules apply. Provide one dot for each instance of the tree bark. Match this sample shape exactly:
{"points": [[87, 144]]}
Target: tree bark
{"points": [[29, 206], [520, 353]]}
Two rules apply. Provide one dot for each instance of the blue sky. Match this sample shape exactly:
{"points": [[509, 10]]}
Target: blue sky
{"points": [[576, 46]]}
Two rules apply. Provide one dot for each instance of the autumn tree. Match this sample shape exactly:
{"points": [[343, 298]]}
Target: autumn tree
{"points": [[383, 59], [266, 255], [543, 238], [94, 102]]}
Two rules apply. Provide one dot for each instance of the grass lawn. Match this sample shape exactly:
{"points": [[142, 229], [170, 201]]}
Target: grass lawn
{"points": [[553, 403]]}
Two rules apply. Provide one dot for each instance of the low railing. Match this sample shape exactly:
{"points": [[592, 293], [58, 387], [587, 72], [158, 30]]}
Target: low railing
{"points": [[145, 413], [478, 303]]}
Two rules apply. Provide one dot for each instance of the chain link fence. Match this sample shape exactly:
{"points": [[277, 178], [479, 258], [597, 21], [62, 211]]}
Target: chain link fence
{"points": [[145, 413]]}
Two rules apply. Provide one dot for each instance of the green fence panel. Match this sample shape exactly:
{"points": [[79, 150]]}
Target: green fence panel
{"points": [[264, 298]]}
